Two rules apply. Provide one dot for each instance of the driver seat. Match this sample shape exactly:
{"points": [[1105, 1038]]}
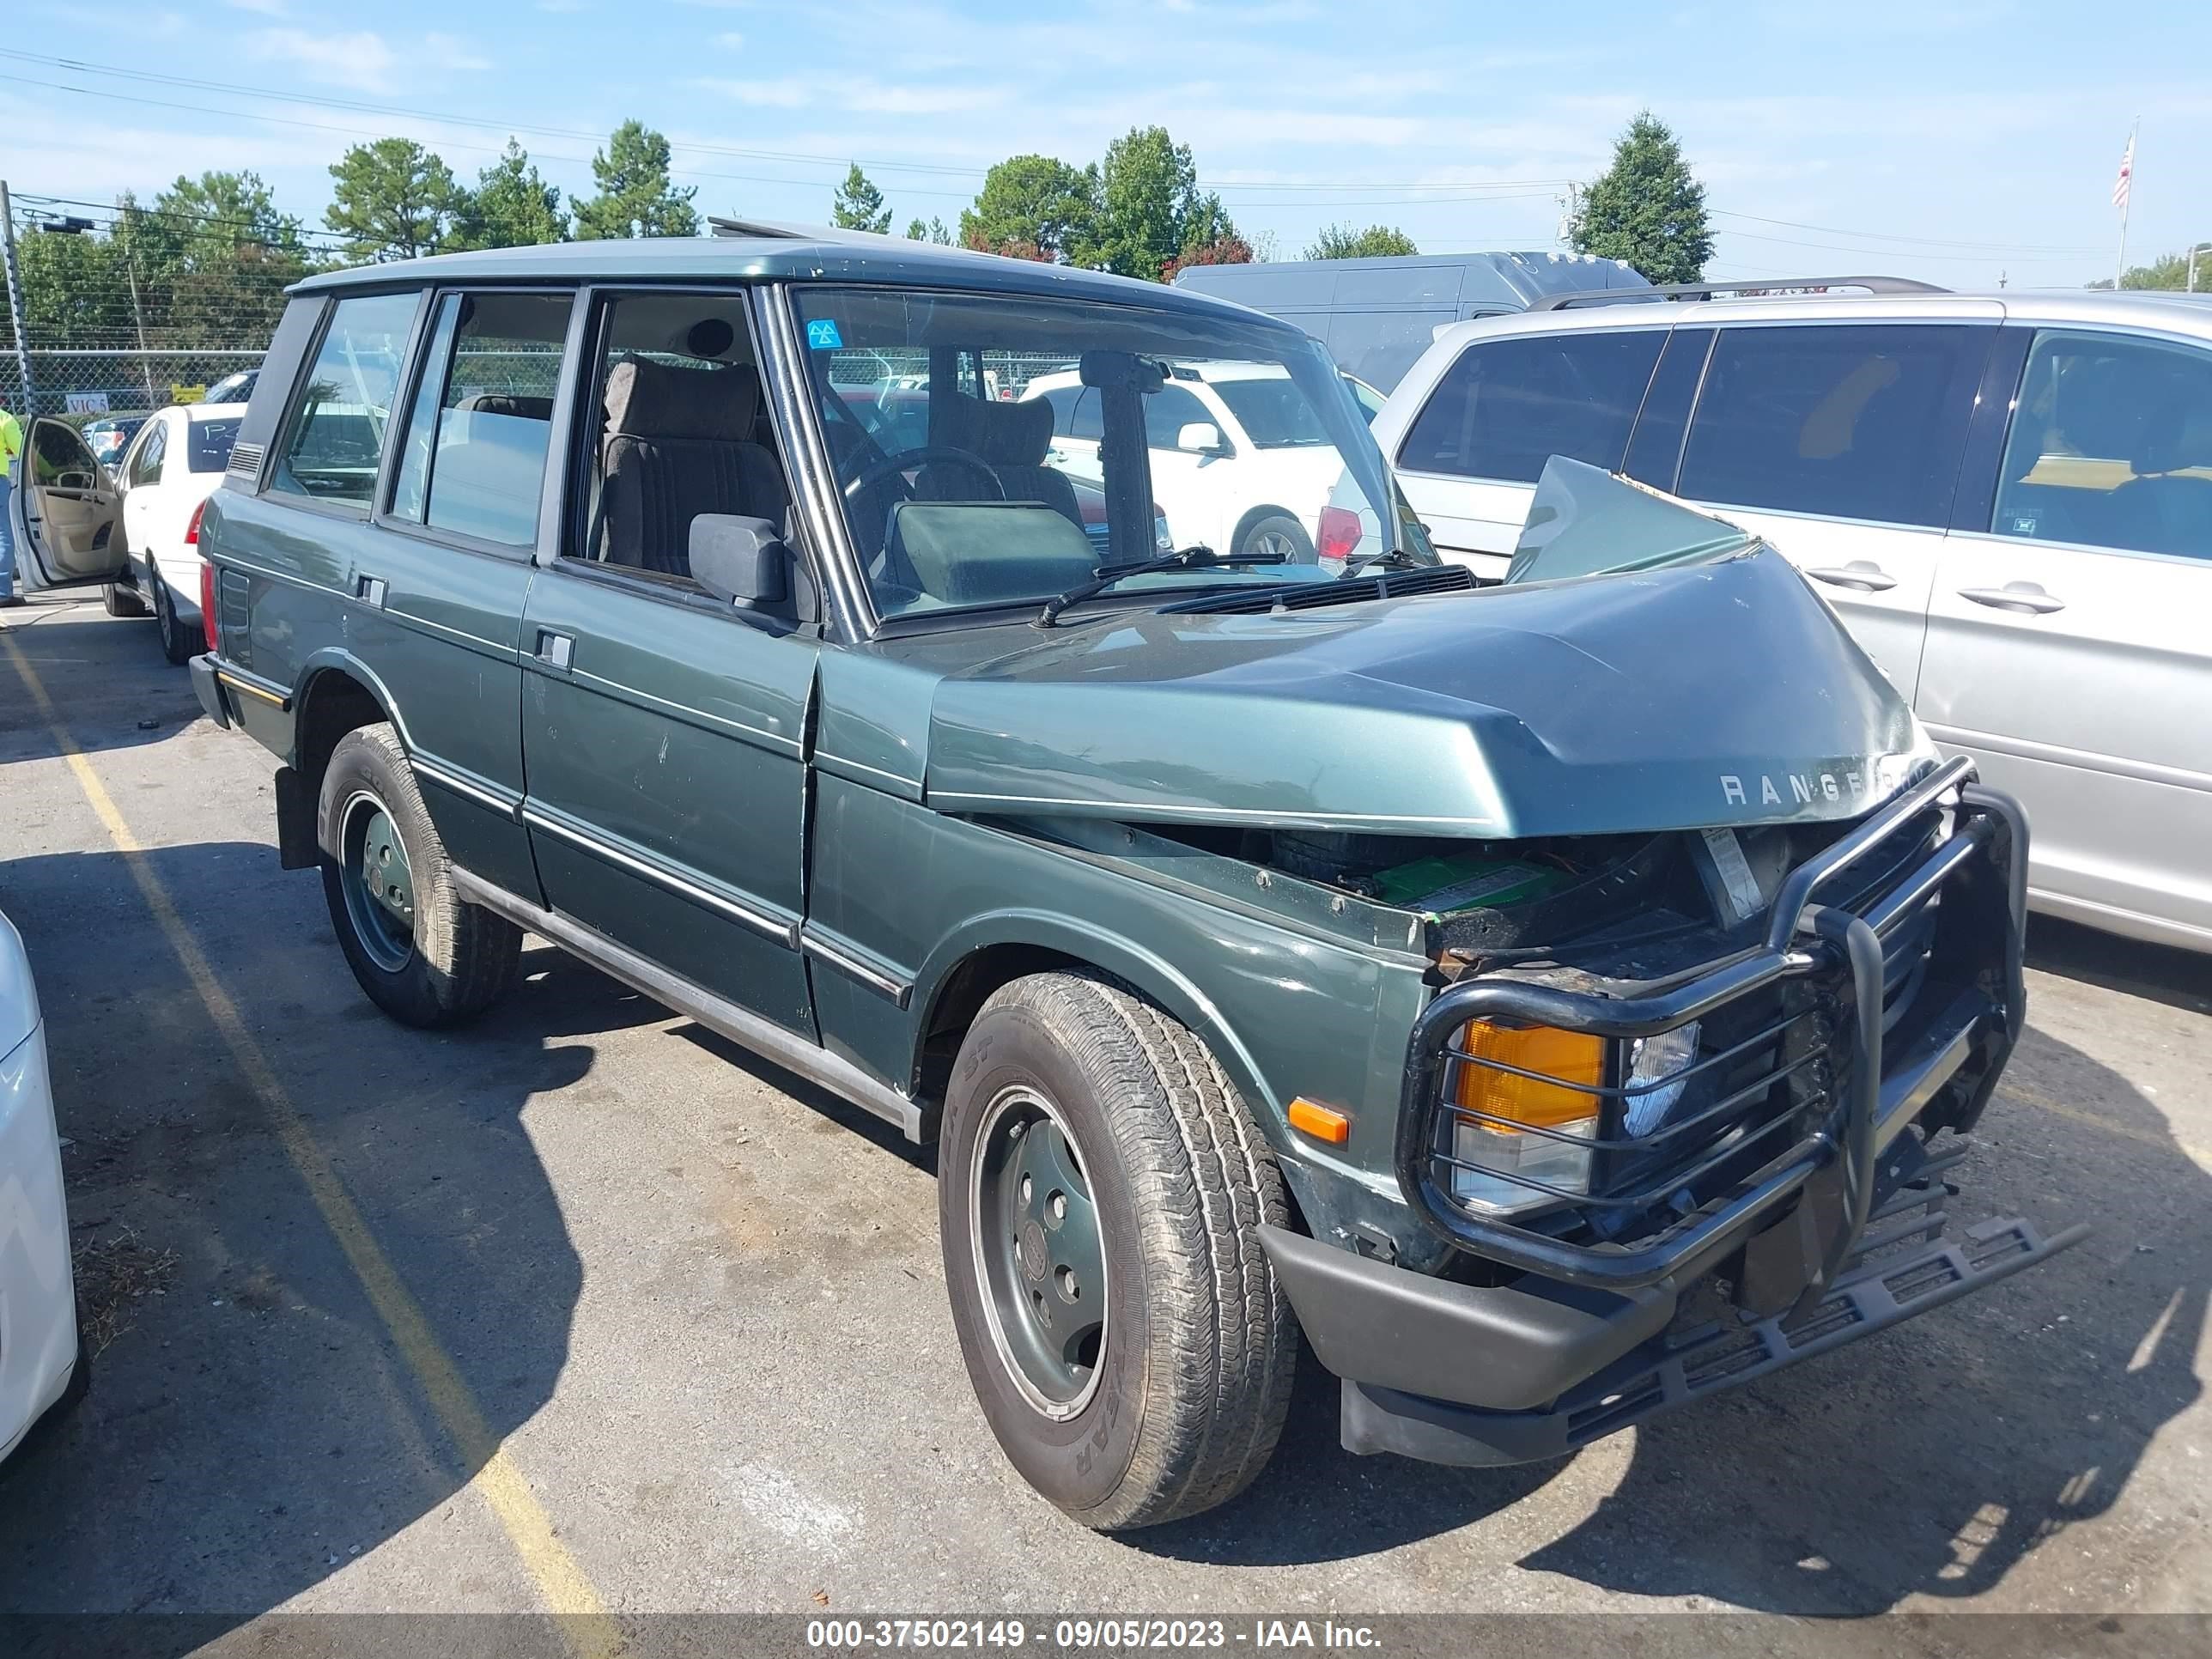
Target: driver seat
{"points": [[678, 443], [1013, 438]]}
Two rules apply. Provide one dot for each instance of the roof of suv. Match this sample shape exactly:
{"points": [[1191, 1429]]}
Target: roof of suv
{"points": [[2170, 313], [860, 258]]}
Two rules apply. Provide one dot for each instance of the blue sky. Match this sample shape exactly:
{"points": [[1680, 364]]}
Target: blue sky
{"points": [[1953, 140]]}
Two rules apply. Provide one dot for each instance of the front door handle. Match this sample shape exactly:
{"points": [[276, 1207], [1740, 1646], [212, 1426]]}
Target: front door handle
{"points": [[555, 650], [2015, 595], [1862, 574]]}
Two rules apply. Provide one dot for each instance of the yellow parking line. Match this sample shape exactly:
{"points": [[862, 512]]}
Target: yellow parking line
{"points": [[560, 1581]]}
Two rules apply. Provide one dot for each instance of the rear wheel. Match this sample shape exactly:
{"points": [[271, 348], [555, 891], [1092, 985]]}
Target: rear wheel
{"points": [[1101, 1189], [120, 601], [424, 955], [1277, 536], [179, 643]]}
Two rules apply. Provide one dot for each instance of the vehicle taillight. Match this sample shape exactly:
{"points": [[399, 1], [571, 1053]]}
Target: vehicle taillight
{"points": [[192, 529], [207, 598], [1340, 533]]}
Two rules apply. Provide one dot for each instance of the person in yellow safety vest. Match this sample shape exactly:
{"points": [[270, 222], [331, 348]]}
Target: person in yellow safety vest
{"points": [[11, 446]]}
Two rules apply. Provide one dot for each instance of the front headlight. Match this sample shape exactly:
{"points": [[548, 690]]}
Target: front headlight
{"points": [[1650, 1061]]}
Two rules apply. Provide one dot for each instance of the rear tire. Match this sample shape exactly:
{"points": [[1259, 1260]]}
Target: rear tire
{"points": [[179, 644], [1189, 1379], [1278, 533], [120, 601], [425, 956]]}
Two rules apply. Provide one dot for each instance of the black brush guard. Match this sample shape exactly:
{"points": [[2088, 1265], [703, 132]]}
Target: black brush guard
{"points": [[1970, 1011]]}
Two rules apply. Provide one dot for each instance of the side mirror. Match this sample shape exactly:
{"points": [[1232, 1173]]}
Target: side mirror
{"points": [[741, 560], [1200, 438]]}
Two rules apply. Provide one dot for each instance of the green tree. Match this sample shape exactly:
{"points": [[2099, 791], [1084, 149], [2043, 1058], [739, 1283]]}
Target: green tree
{"points": [[1032, 202], [1646, 208], [392, 199], [2168, 271], [857, 204], [1151, 210], [1376, 242], [511, 206], [934, 230], [636, 198], [212, 217]]}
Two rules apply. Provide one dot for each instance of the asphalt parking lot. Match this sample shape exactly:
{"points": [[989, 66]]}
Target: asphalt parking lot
{"points": [[582, 1308]]}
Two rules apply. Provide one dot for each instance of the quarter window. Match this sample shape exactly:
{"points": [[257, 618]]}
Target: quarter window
{"points": [[1852, 421], [2111, 445], [1509, 405], [474, 458], [335, 439]]}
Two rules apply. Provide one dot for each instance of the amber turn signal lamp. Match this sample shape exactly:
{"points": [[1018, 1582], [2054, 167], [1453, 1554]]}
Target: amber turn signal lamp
{"points": [[1570, 1057], [1309, 1118]]}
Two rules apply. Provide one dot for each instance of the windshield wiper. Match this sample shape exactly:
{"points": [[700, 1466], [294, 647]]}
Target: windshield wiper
{"points": [[1404, 558], [1200, 557]]}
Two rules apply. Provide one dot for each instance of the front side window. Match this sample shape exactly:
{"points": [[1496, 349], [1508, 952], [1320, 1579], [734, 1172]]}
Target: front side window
{"points": [[1048, 448], [474, 462], [1508, 406], [60, 459], [335, 440], [2111, 445], [1847, 421]]}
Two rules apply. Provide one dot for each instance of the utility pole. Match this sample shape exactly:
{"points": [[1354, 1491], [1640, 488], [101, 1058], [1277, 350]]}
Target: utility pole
{"points": [[15, 300], [2127, 201], [2195, 249], [137, 311]]}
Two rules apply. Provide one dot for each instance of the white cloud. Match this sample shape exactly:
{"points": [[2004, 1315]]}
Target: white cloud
{"points": [[561, 7], [450, 52], [360, 60], [266, 8], [730, 38]]}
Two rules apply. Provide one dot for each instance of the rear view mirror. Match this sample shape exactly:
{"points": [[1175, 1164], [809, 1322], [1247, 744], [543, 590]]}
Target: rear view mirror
{"points": [[742, 560], [1200, 438]]}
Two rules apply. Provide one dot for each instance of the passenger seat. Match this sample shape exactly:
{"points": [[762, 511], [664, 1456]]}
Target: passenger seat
{"points": [[679, 442]]}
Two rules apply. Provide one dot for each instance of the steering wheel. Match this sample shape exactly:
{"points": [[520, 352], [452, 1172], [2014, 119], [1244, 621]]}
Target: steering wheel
{"points": [[907, 460]]}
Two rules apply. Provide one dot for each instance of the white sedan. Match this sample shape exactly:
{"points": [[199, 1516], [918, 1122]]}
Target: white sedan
{"points": [[166, 475], [41, 1369], [1241, 460]]}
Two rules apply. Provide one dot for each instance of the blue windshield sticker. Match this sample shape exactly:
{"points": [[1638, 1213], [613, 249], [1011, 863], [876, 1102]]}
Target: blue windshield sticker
{"points": [[822, 335]]}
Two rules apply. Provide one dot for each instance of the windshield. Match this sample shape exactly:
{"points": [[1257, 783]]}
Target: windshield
{"points": [[1001, 449]]}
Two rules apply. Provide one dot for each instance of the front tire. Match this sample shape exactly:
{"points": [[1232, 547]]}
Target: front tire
{"points": [[1101, 1189], [179, 644], [120, 601], [424, 956]]}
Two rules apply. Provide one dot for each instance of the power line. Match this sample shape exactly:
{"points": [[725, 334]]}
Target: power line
{"points": [[1923, 241]]}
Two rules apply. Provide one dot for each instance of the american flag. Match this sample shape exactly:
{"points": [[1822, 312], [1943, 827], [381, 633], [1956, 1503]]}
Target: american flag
{"points": [[2126, 175]]}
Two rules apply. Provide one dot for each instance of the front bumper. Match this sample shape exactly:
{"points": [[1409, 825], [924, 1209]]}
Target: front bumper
{"points": [[1821, 1204]]}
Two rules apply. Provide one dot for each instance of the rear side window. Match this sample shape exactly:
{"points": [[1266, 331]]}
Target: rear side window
{"points": [[209, 451], [1850, 420], [1075, 412], [335, 439], [146, 460], [474, 458], [2110, 446], [1509, 405]]}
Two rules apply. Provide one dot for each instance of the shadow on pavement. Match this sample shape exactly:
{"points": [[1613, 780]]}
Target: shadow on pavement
{"points": [[252, 1427], [1928, 1462], [144, 702]]}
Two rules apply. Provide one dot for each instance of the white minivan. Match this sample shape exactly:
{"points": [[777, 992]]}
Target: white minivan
{"points": [[2008, 498]]}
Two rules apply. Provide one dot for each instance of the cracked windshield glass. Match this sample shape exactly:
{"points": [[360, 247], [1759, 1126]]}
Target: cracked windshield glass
{"points": [[1002, 451]]}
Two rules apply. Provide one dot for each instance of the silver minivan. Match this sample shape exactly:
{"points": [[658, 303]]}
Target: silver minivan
{"points": [[2008, 498]]}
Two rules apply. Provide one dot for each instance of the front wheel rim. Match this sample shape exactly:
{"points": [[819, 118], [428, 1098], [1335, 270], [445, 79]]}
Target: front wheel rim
{"points": [[1039, 1251], [378, 881]]}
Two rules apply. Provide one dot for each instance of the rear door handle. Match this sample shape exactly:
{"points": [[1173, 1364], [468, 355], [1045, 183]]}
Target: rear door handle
{"points": [[555, 650], [1862, 574], [2015, 595], [370, 590]]}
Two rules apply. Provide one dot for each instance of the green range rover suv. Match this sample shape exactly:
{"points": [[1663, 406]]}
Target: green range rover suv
{"points": [[1560, 1000]]}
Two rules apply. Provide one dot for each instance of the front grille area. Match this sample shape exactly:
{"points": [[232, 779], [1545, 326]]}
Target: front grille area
{"points": [[1908, 910]]}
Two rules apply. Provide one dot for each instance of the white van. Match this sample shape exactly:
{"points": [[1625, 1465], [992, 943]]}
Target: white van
{"points": [[2008, 498]]}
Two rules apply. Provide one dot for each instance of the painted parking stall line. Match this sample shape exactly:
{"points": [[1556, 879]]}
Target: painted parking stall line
{"points": [[589, 1630]]}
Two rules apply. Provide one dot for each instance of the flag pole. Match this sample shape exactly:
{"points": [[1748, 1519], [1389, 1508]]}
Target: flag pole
{"points": [[2127, 202]]}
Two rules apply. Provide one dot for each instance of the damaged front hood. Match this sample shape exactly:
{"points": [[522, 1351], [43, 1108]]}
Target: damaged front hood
{"points": [[1701, 695]]}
